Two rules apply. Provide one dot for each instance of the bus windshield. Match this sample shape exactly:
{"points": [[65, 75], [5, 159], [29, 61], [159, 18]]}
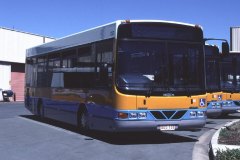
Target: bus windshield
{"points": [[177, 63], [227, 74], [238, 73], [212, 68], [160, 31]]}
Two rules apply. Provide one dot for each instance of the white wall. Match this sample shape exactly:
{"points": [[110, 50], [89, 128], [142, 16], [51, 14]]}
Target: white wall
{"points": [[5, 76], [13, 44], [235, 39]]}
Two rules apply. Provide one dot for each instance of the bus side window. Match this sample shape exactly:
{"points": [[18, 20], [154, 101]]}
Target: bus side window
{"points": [[82, 71], [29, 70], [104, 63], [69, 58], [41, 71], [54, 62]]}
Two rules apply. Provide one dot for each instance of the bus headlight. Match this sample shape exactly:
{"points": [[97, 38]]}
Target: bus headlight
{"points": [[218, 105], [142, 115], [133, 115], [200, 114], [213, 104], [229, 103], [224, 104], [193, 114]]}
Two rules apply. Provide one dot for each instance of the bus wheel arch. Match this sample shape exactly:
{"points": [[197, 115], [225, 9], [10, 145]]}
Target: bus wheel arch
{"points": [[82, 118]]}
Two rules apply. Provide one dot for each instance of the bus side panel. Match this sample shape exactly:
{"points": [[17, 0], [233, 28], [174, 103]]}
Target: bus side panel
{"points": [[64, 104], [68, 112], [101, 117], [31, 104], [226, 96], [235, 96], [61, 110]]}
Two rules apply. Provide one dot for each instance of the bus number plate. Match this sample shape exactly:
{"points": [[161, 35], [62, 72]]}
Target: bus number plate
{"points": [[167, 128]]}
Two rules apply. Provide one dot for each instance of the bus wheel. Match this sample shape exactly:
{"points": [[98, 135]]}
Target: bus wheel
{"points": [[83, 121], [40, 109], [224, 114]]}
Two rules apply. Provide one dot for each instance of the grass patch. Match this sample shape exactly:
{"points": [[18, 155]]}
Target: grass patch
{"points": [[233, 154], [230, 135]]}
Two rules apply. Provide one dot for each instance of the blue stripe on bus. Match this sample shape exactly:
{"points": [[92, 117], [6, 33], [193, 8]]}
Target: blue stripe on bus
{"points": [[108, 112]]}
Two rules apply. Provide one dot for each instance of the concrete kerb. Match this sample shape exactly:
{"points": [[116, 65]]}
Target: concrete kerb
{"points": [[214, 146], [201, 147]]}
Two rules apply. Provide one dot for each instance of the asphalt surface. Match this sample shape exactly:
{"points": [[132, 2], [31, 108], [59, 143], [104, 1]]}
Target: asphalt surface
{"points": [[23, 136]]}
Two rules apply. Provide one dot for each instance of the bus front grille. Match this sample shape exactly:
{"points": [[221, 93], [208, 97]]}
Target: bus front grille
{"points": [[168, 114], [158, 115]]}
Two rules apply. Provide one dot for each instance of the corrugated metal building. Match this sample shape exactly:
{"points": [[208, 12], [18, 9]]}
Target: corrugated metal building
{"points": [[235, 39], [13, 45]]}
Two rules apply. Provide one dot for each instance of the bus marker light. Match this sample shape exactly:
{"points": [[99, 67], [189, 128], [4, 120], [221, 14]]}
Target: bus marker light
{"points": [[194, 100], [125, 21], [198, 26], [122, 115]]}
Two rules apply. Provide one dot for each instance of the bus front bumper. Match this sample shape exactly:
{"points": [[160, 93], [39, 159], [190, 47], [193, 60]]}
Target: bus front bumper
{"points": [[214, 112], [190, 125], [232, 109]]}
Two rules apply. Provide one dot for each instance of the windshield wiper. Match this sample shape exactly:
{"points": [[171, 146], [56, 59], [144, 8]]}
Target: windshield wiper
{"points": [[149, 92], [157, 79]]}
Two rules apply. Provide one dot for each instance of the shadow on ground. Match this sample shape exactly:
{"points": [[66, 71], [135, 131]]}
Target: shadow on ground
{"points": [[229, 116], [211, 122], [118, 138]]}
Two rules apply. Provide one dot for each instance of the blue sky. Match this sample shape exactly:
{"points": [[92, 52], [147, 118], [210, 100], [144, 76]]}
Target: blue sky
{"points": [[58, 18]]}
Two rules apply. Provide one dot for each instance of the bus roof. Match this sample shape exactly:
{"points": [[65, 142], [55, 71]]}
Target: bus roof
{"points": [[103, 32]]}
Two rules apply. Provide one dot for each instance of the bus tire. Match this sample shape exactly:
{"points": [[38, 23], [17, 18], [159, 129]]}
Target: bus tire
{"points": [[224, 114], [40, 109], [83, 125]]}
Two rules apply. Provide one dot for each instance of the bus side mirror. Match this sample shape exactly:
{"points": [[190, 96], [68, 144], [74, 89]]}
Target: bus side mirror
{"points": [[225, 48], [157, 77]]}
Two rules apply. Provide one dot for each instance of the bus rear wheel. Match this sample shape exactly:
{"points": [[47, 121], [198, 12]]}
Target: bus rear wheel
{"points": [[83, 121], [40, 109]]}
